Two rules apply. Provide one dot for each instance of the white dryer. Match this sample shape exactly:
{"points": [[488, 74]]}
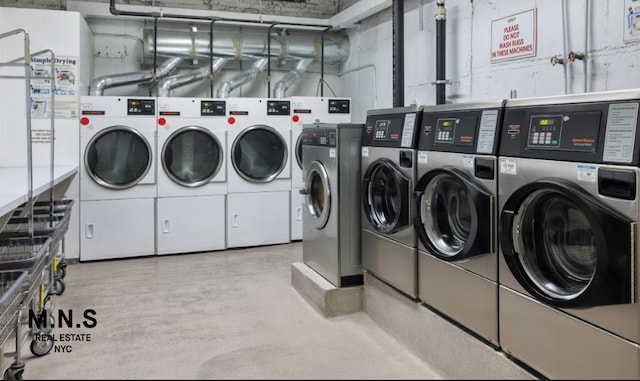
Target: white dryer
{"points": [[117, 177], [258, 171], [192, 175], [568, 263], [308, 110]]}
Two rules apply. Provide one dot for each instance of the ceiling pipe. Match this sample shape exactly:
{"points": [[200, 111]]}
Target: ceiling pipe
{"points": [[281, 87], [398, 52], [99, 84], [118, 12], [335, 49], [168, 84], [441, 20], [242, 78]]}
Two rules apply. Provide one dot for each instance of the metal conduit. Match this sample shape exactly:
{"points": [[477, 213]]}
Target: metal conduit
{"points": [[242, 78], [281, 87], [185, 44], [99, 84], [170, 83]]}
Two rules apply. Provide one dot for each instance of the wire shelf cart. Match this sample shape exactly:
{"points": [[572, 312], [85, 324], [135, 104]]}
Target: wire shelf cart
{"points": [[11, 296]]}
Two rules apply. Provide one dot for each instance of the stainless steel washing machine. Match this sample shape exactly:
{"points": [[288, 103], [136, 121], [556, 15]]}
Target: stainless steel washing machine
{"points": [[455, 220], [389, 243], [331, 217], [568, 263]]}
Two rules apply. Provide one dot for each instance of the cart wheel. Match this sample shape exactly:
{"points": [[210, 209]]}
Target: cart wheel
{"points": [[14, 372], [62, 272], [41, 347], [58, 287]]}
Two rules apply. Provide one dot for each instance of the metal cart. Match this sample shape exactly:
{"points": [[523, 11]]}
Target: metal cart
{"points": [[49, 219], [33, 255], [11, 296]]}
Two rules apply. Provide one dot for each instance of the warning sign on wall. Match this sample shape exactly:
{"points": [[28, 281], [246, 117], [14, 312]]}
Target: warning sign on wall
{"points": [[631, 21], [513, 36]]}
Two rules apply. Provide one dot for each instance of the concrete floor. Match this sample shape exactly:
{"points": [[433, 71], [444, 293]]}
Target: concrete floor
{"points": [[223, 315]]}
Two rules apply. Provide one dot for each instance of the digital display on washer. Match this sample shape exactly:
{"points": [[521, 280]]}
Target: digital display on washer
{"points": [[319, 137], [571, 131], [388, 130], [457, 131], [141, 107], [545, 131], [212, 108], [278, 108]]}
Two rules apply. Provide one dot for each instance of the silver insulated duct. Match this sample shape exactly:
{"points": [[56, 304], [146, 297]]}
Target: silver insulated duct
{"points": [[281, 87], [99, 84], [249, 45], [182, 79], [243, 78]]}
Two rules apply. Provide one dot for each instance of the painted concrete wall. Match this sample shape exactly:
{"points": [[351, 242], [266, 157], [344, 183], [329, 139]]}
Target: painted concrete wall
{"points": [[13, 135], [613, 63]]}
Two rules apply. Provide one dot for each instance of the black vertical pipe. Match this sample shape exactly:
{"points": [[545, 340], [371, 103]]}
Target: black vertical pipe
{"points": [[398, 52], [155, 52], [441, 20]]}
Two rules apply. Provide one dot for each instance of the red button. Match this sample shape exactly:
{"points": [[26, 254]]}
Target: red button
{"points": [[231, 120], [84, 120], [162, 121], [295, 118]]}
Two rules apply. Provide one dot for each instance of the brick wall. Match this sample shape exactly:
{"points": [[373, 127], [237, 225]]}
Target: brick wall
{"points": [[319, 9]]}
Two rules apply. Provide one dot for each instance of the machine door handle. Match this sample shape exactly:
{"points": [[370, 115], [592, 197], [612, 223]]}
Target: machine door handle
{"points": [[236, 220], [166, 226], [303, 191]]}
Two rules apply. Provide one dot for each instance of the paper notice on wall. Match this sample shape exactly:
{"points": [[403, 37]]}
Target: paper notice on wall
{"points": [[631, 21], [514, 36], [64, 88]]}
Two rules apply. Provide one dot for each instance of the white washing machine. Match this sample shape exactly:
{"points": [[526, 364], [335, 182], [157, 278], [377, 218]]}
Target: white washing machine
{"points": [[568, 266], [117, 177], [308, 110], [258, 171], [456, 196], [331, 238], [389, 243], [192, 175]]}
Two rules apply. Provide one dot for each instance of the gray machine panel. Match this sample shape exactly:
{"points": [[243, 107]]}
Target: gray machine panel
{"points": [[333, 250]]}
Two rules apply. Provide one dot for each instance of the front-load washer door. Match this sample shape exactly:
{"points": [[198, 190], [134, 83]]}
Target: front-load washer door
{"points": [[192, 156], [259, 154], [118, 157], [454, 216], [565, 247], [298, 151], [385, 196], [318, 194]]}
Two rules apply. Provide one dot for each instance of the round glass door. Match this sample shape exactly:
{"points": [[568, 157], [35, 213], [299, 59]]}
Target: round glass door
{"points": [[318, 194], [565, 247], [385, 193], [557, 244], [192, 156], [118, 157], [446, 214], [299, 151], [259, 154]]}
